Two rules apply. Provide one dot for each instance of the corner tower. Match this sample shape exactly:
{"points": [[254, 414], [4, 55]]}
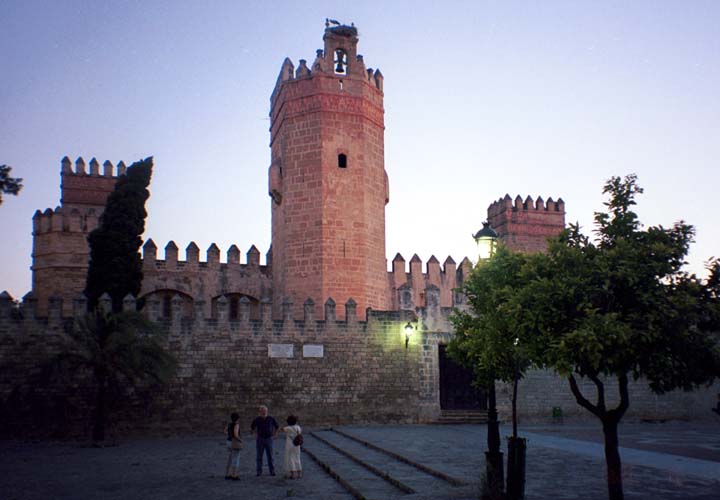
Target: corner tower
{"points": [[327, 179]]}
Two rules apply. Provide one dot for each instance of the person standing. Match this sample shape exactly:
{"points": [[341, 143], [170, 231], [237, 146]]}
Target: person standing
{"points": [[235, 444], [293, 464], [265, 428]]}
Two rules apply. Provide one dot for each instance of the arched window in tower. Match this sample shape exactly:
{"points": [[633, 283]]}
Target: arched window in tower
{"points": [[340, 62], [342, 161]]}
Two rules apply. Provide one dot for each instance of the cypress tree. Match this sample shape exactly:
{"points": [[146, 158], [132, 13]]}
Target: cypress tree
{"points": [[115, 265]]}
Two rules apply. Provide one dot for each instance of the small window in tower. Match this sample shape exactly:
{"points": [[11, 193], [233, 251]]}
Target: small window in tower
{"points": [[342, 161], [340, 62], [341, 85]]}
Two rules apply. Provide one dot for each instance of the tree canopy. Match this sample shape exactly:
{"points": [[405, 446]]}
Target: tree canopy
{"points": [[8, 185], [492, 334], [622, 304], [115, 264], [617, 306]]}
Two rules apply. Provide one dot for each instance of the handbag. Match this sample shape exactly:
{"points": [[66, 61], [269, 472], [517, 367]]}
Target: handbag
{"points": [[298, 441]]}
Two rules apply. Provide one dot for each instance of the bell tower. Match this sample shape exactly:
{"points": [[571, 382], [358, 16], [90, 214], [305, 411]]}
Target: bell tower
{"points": [[327, 179]]}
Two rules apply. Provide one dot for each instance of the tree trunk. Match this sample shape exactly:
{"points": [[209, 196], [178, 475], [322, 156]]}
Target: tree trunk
{"points": [[514, 406], [610, 420], [100, 409], [612, 458]]}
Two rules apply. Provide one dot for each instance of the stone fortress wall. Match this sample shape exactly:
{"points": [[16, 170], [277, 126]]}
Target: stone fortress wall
{"points": [[247, 333], [329, 371]]}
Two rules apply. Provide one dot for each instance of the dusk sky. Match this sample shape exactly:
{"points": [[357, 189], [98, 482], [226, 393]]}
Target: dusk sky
{"points": [[482, 98]]}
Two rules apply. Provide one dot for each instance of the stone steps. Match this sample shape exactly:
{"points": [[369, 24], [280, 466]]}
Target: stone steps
{"points": [[463, 417]]}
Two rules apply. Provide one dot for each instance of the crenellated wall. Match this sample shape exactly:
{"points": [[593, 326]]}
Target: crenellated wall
{"points": [[205, 281], [327, 370], [526, 225], [407, 286]]}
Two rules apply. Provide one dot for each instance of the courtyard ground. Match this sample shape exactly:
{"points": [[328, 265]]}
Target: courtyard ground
{"points": [[661, 461]]}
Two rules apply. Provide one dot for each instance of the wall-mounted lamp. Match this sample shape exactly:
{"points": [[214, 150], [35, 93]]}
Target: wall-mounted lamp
{"points": [[409, 329]]}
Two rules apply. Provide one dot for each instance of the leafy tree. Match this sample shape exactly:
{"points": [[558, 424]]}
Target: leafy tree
{"points": [[115, 265], [121, 350], [622, 307], [8, 185], [491, 339]]}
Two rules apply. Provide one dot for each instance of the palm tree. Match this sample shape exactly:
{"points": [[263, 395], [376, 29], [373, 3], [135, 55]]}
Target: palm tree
{"points": [[121, 350]]}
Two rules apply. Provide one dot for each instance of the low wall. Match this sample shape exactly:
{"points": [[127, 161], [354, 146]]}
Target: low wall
{"points": [[542, 390]]}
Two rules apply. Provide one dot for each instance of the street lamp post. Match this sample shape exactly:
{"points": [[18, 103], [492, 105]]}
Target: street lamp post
{"points": [[486, 239]]}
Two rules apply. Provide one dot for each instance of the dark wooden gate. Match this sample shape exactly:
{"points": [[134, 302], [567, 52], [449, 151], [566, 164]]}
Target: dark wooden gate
{"points": [[456, 390]]}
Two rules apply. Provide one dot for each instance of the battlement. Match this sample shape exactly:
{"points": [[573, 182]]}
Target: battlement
{"points": [[539, 205], [192, 256], [409, 286], [80, 168], [83, 188], [337, 69], [525, 225], [225, 317], [205, 281], [62, 220]]}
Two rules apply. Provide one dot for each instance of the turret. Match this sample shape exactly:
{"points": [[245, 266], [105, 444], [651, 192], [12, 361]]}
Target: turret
{"points": [[327, 180], [60, 249], [525, 225]]}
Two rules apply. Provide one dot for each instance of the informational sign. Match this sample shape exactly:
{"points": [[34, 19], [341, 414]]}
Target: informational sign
{"points": [[280, 350], [313, 351]]}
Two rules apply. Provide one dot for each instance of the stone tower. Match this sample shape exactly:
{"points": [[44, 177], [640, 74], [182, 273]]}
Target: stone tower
{"points": [[327, 179], [525, 226], [60, 249]]}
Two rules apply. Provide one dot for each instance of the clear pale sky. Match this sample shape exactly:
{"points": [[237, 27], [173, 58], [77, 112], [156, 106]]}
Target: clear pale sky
{"points": [[482, 98]]}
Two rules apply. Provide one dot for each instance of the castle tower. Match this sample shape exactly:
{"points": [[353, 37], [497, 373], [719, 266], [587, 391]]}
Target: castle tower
{"points": [[60, 249], [327, 179], [526, 225]]}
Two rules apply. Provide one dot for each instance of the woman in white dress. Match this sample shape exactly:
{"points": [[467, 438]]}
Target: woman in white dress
{"points": [[293, 465]]}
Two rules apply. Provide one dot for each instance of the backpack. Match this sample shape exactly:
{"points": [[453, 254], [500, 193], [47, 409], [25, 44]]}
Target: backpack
{"points": [[298, 441]]}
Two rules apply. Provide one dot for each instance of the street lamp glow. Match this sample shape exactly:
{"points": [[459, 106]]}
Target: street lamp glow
{"points": [[486, 240]]}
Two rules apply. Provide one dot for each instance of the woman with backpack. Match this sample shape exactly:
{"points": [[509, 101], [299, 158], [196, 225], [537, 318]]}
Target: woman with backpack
{"points": [[235, 444], [293, 442]]}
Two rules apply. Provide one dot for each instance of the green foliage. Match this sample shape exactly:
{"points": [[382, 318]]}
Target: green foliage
{"points": [[623, 305], [126, 346], [120, 350], [618, 306], [115, 264], [492, 337], [8, 185]]}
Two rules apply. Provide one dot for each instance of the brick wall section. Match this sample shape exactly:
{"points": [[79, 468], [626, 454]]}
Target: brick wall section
{"points": [[526, 225], [328, 223]]}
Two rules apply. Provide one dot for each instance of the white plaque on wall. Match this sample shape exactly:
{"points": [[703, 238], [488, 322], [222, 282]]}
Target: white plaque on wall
{"points": [[313, 351], [280, 350]]}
